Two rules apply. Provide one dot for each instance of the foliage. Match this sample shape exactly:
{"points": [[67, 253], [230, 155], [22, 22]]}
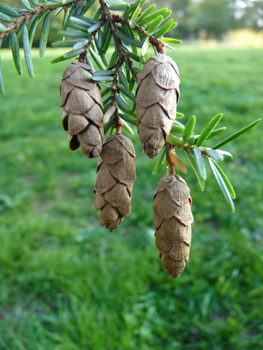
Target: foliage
{"points": [[210, 19], [67, 284], [89, 39]]}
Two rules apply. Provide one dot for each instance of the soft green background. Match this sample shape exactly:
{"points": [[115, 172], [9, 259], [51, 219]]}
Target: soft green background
{"points": [[196, 19], [68, 284]]}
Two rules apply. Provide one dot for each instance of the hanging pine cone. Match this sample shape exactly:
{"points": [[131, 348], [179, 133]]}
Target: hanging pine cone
{"points": [[114, 182], [172, 221], [82, 116], [157, 96]]}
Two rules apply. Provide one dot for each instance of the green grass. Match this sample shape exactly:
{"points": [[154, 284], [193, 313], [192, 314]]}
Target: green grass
{"points": [[68, 284]]}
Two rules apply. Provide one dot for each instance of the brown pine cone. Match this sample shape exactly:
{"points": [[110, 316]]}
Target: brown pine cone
{"points": [[172, 221], [114, 183], [156, 99], [82, 116]]}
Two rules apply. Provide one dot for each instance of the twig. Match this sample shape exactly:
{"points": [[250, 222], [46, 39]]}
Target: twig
{"points": [[121, 59], [27, 16], [190, 148], [158, 44], [82, 56], [117, 41], [169, 146]]}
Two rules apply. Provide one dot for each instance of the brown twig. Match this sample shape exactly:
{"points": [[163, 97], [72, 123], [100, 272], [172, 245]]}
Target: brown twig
{"points": [[190, 148], [158, 44], [169, 146], [117, 41], [27, 16], [121, 59], [82, 56]]}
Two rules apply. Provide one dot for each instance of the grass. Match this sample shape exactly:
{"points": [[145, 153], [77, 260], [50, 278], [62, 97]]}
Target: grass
{"points": [[68, 284]]}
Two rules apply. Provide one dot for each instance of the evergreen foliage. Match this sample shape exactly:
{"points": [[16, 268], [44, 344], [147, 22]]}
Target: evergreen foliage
{"points": [[131, 27], [88, 115]]}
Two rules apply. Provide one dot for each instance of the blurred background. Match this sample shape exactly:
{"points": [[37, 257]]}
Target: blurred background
{"points": [[229, 22], [69, 284]]}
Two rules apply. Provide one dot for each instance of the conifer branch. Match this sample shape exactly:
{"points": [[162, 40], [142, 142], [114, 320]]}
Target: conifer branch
{"points": [[122, 54], [27, 16], [122, 57], [158, 44]]}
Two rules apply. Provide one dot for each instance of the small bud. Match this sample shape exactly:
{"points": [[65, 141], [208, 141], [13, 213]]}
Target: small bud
{"points": [[177, 162]]}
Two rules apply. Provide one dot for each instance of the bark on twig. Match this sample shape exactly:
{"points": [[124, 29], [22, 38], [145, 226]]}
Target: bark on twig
{"points": [[169, 162], [122, 57], [158, 44], [27, 16]]}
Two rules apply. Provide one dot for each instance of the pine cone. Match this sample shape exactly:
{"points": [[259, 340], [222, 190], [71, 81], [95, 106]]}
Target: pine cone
{"points": [[82, 116], [172, 221], [114, 183], [157, 96]]}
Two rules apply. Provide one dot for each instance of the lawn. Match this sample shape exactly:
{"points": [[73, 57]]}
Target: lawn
{"points": [[69, 284]]}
